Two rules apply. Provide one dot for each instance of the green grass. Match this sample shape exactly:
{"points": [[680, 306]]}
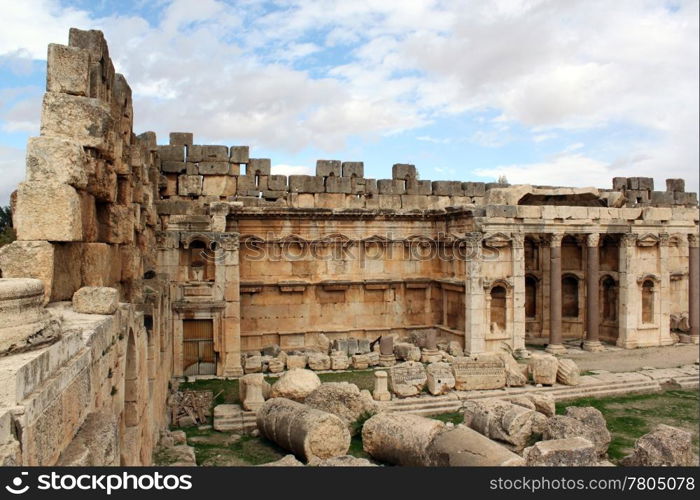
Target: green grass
{"points": [[630, 417], [454, 417], [364, 379]]}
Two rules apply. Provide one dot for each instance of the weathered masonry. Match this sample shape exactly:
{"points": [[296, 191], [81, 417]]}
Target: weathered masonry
{"points": [[136, 262]]}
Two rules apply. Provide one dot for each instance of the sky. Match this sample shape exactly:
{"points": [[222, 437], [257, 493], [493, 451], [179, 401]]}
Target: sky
{"points": [[553, 92]]}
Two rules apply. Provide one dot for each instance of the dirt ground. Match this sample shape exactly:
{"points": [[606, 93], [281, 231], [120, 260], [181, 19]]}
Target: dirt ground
{"points": [[627, 360]]}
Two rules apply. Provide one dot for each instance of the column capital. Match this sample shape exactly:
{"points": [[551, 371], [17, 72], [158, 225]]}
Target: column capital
{"points": [[664, 239], [593, 240], [693, 240], [518, 240], [628, 240], [555, 239]]}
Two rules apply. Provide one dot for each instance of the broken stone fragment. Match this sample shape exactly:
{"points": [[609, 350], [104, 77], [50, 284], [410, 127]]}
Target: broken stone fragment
{"points": [[665, 446], [570, 452], [96, 300], [344, 400], [295, 384]]}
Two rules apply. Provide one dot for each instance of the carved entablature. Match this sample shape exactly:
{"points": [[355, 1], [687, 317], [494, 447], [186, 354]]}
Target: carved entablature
{"points": [[648, 276], [497, 240], [648, 240], [506, 283]]}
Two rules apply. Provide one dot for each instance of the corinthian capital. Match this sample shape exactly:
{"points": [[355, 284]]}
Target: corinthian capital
{"points": [[555, 239], [593, 239]]}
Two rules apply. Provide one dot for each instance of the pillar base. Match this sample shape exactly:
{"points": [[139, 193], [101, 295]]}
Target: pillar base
{"points": [[688, 339], [233, 371], [522, 353], [556, 349], [387, 360], [593, 346], [430, 356]]}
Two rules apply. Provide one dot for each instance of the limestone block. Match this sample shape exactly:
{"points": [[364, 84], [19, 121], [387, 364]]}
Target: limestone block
{"points": [[374, 358], [253, 390], [364, 186], [675, 185], [84, 120], [102, 181], [344, 400], [96, 300], [474, 188], [440, 378], [307, 432], [271, 350], [353, 169], [567, 426], [328, 168], [454, 348], [391, 187], [198, 153], [239, 154], [653, 213], [228, 418], [190, 185], [360, 361], [95, 265], [295, 384], [568, 372], [339, 361], [68, 70], [172, 153], [665, 446], [214, 168], [570, 452], [403, 171], [479, 371], [447, 188], [296, 361], [33, 222], [407, 352], [276, 365], [258, 166], [339, 185], [219, 185], [686, 198], [52, 263], [543, 368], [115, 223], [53, 160], [514, 373], [95, 444], [407, 379], [401, 439], [277, 183], [306, 184], [416, 187], [662, 198], [181, 138], [319, 361], [253, 364], [544, 403], [341, 345], [464, 447]]}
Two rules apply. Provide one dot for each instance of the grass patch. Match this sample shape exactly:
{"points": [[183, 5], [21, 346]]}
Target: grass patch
{"points": [[364, 379], [630, 417], [454, 417]]}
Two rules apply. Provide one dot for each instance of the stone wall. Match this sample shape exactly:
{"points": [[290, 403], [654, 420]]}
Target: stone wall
{"points": [[85, 216]]}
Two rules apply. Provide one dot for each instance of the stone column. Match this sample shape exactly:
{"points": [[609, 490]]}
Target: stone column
{"points": [[694, 287], [629, 298], [386, 351], [555, 336], [592, 294], [232, 312], [474, 336], [518, 308], [664, 291]]}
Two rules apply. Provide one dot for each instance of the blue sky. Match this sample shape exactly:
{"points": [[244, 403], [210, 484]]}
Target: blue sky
{"points": [[542, 91]]}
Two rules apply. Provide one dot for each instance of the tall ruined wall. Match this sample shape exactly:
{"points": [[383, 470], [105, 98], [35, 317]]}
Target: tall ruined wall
{"points": [[85, 217]]}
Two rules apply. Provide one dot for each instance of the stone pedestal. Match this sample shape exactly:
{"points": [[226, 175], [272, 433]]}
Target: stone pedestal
{"points": [[381, 387], [386, 351], [593, 345], [387, 360], [22, 315], [430, 356]]}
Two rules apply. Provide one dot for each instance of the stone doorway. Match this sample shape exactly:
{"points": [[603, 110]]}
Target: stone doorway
{"points": [[198, 356]]}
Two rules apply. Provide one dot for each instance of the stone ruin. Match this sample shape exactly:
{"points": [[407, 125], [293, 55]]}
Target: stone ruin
{"points": [[136, 262]]}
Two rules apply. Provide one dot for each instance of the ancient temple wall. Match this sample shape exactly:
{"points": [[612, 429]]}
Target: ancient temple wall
{"points": [[85, 216]]}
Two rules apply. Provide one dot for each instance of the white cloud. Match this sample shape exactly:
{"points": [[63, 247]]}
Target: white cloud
{"points": [[230, 73], [12, 171], [282, 169]]}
